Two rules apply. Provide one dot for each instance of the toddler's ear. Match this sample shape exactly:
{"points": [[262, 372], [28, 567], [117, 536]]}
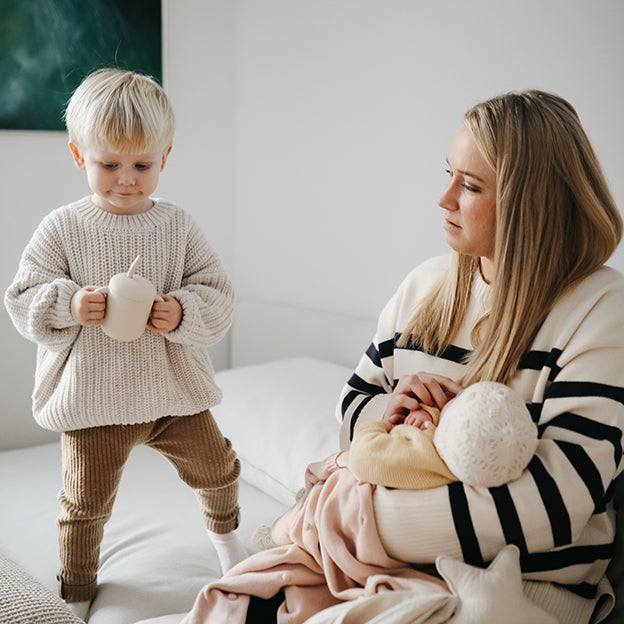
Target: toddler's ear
{"points": [[78, 157], [165, 156]]}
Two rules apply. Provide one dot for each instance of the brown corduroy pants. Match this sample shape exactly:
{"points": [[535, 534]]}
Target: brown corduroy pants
{"points": [[93, 461]]}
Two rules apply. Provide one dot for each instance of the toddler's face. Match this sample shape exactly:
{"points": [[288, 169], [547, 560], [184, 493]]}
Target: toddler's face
{"points": [[122, 182]]}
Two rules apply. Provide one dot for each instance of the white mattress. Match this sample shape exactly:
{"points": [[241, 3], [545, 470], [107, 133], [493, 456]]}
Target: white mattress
{"points": [[156, 555]]}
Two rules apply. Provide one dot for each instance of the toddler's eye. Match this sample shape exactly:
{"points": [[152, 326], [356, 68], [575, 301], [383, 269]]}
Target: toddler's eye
{"points": [[109, 165], [142, 166]]}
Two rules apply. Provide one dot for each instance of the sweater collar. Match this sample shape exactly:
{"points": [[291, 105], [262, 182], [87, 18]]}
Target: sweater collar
{"points": [[156, 215]]}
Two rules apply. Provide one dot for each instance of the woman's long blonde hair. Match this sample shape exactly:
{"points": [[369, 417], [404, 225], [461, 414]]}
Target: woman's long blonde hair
{"points": [[556, 223]]}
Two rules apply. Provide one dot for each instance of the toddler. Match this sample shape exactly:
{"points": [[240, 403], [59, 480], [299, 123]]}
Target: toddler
{"points": [[107, 396]]}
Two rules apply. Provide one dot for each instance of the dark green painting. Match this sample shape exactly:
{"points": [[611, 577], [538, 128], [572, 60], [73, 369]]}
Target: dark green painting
{"points": [[48, 46]]}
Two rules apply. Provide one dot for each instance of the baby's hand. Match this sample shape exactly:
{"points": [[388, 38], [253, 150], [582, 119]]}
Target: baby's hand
{"points": [[165, 316], [87, 307], [419, 418]]}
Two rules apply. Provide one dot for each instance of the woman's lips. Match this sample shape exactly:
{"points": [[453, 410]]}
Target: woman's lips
{"points": [[449, 226]]}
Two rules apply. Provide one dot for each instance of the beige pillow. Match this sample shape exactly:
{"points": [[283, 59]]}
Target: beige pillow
{"points": [[23, 600]]}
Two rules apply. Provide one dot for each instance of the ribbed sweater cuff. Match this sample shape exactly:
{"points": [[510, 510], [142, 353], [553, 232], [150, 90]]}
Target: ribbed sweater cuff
{"points": [[62, 317]]}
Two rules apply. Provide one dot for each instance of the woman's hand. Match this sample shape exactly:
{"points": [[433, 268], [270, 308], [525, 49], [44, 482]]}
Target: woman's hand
{"points": [[422, 388]]}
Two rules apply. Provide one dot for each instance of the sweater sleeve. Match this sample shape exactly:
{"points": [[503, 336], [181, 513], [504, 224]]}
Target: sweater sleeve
{"points": [[404, 457], [558, 511], [365, 396], [38, 299], [206, 295]]}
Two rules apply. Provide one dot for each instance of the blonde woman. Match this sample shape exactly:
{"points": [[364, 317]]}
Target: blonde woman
{"points": [[525, 300]]}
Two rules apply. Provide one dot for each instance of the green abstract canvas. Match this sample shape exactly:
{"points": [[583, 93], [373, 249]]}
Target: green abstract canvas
{"points": [[48, 46]]}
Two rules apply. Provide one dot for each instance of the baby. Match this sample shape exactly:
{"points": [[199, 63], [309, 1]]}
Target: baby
{"points": [[485, 437]]}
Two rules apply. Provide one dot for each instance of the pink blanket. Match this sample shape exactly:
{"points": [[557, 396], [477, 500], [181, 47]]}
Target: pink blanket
{"points": [[330, 553]]}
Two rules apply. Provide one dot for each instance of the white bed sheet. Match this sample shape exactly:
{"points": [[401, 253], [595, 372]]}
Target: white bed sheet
{"points": [[155, 555]]}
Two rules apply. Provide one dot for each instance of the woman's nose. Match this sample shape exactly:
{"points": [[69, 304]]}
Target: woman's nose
{"points": [[446, 199]]}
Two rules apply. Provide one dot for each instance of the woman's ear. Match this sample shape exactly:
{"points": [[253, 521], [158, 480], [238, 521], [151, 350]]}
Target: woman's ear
{"points": [[78, 157], [165, 156]]}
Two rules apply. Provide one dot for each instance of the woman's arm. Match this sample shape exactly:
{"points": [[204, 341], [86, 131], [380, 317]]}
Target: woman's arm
{"points": [[558, 511], [370, 392]]}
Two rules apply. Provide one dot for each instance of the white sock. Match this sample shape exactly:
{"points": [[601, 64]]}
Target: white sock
{"points": [[229, 549], [81, 609]]}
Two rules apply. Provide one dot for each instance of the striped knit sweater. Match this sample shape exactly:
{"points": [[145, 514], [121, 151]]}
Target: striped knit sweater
{"points": [[86, 379], [560, 511]]}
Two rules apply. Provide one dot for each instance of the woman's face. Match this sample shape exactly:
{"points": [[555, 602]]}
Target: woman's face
{"points": [[469, 201]]}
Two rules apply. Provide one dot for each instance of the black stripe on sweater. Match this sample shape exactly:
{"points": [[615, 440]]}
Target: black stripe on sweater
{"points": [[553, 503], [463, 524], [373, 355], [386, 348], [561, 389], [357, 383], [356, 415], [586, 469], [451, 353], [589, 428], [566, 557], [537, 360], [508, 517]]}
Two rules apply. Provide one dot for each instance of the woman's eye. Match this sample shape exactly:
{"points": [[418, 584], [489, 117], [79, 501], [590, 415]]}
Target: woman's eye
{"points": [[469, 187]]}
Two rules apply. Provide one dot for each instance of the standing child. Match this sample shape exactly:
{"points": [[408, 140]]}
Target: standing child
{"points": [[107, 396]]}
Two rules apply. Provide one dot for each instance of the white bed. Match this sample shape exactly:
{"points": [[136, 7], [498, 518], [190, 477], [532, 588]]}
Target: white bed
{"points": [[278, 410], [156, 555]]}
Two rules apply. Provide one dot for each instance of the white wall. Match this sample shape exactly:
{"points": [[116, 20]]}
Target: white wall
{"points": [[346, 110], [312, 135]]}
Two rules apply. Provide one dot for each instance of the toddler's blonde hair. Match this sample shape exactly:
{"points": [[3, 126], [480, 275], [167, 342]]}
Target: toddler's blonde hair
{"points": [[122, 110]]}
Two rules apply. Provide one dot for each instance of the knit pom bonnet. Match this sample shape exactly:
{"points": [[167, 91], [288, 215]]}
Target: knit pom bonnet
{"points": [[486, 436]]}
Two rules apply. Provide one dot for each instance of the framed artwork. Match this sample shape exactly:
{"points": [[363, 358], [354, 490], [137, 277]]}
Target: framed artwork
{"points": [[48, 46]]}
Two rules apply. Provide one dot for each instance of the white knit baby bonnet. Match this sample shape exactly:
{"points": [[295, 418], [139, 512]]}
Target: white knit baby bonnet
{"points": [[486, 435]]}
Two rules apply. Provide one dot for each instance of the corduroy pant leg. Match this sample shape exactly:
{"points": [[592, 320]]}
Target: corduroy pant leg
{"points": [[205, 460], [93, 461]]}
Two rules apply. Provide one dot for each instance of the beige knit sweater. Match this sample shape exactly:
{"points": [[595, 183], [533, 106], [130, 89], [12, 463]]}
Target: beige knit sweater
{"points": [[86, 379]]}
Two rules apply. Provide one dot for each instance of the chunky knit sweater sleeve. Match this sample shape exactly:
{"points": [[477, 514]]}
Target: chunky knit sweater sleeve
{"points": [[559, 512], [38, 298]]}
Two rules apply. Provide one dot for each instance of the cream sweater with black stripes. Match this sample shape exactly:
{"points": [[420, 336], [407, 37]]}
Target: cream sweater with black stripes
{"points": [[559, 512], [86, 379]]}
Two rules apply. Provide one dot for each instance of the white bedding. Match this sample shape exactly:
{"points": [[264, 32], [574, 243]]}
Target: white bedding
{"points": [[155, 554]]}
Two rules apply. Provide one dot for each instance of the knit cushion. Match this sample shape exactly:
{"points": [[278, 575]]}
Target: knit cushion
{"points": [[23, 600], [486, 436]]}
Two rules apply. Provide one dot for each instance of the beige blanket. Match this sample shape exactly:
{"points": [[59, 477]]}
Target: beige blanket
{"points": [[330, 553]]}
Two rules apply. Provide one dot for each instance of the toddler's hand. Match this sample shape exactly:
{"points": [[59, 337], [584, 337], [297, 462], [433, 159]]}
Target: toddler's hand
{"points": [[87, 307], [165, 316]]}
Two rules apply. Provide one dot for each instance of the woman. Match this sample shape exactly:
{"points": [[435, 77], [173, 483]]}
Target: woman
{"points": [[524, 300]]}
